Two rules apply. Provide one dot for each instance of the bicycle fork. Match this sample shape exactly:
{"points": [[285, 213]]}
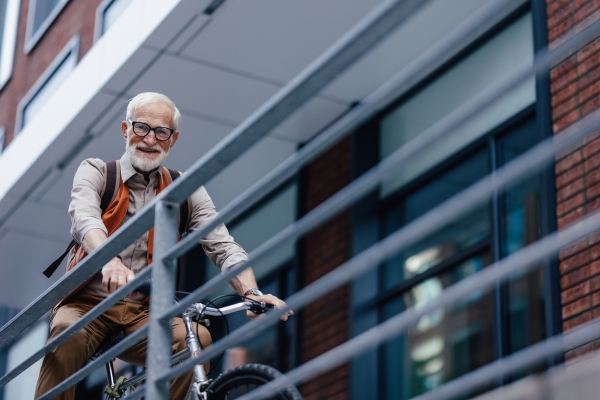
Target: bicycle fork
{"points": [[200, 382]]}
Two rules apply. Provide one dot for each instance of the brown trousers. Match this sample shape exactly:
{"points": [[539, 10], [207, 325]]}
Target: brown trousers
{"points": [[69, 357]]}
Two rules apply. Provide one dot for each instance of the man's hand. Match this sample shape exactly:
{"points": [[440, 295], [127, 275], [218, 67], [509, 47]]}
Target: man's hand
{"points": [[269, 298], [115, 274]]}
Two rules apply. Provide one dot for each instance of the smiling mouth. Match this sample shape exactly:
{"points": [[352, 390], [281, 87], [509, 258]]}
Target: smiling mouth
{"points": [[149, 151]]}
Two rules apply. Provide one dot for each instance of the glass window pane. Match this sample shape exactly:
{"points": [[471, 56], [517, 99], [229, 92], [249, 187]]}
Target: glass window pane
{"points": [[43, 8], [448, 241], [112, 12], [49, 87], [493, 61], [526, 323], [444, 344]]}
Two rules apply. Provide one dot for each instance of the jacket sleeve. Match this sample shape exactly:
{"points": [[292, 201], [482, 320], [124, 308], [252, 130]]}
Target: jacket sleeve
{"points": [[85, 199], [218, 245]]}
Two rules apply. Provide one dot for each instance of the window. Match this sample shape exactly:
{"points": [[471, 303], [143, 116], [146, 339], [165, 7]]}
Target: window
{"points": [[41, 14], [47, 84], [2, 132], [487, 325], [450, 343], [107, 13], [9, 18]]}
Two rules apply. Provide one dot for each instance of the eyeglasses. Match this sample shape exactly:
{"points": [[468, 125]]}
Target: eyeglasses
{"points": [[142, 129]]}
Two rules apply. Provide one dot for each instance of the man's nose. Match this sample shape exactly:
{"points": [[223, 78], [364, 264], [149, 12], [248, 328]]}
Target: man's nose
{"points": [[150, 138]]}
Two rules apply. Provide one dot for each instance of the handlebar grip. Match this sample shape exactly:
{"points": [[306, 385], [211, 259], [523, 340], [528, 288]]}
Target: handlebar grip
{"points": [[260, 308]]}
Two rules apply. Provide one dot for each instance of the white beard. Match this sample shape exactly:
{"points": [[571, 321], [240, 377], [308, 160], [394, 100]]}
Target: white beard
{"points": [[142, 163]]}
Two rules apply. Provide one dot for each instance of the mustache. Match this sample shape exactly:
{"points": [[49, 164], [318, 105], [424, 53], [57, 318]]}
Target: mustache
{"points": [[140, 146]]}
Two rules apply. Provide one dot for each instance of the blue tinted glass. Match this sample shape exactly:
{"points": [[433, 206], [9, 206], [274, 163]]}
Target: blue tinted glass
{"points": [[43, 8], [449, 240]]}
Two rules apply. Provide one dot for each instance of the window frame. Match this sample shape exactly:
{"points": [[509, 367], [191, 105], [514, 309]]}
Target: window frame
{"points": [[7, 47], [32, 38], [2, 138], [99, 22], [71, 50], [366, 303]]}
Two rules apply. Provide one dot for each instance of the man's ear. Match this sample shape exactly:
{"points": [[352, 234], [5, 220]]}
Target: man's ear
{"points": [[174, 137], [124, 129]]}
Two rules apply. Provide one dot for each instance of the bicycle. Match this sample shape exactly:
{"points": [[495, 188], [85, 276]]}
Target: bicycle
{"points": [[228, 385]]}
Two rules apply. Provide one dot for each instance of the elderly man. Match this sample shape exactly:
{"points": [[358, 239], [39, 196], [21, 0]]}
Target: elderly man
{"points": [[149, 131]]}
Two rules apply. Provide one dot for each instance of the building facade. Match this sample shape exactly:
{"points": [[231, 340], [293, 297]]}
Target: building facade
{"points": [[68, 67]]}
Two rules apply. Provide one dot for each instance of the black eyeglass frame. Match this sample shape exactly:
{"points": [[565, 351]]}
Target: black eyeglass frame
{"points": [[151, 129]]}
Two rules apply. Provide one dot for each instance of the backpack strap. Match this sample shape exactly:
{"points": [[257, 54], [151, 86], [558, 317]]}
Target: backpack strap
{"points": [[184, 208], [112, 175]]}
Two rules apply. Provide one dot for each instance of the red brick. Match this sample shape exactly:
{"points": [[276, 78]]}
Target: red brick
{"points": [[590, 106], [595, 252], [588, 51], [562, 68], [592, 162], [578, 352], [570, 218], [588, 92], [577, 321], [559, 30], [569, 162], [595, 268], [596, 313], [592, 177], [577, 307], [586, 10], [565, 108], [593, 205], [576, 292], [575, 277], [569, 176], [558, 15], [569, 204], [568, 119], [595, 299], [565, 94], [595, 283], [570, 190], [574, 262], [565, 80], [573, 249]]}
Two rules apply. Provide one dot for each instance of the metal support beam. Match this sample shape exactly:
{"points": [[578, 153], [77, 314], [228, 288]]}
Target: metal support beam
{"points": [[158, 354]]}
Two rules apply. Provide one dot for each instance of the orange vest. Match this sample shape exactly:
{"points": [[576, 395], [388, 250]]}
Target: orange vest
{"points": [[113, 219]]}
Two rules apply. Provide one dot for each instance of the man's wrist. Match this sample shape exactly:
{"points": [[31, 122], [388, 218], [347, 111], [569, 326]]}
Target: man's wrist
{"points": [[253, 292]]}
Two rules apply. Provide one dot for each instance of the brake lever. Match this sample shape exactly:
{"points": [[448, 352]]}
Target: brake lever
{"points": [[260, 307]]}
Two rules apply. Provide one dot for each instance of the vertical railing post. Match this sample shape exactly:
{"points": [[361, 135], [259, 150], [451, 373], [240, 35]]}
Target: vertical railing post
{"points": [[162, 294]]}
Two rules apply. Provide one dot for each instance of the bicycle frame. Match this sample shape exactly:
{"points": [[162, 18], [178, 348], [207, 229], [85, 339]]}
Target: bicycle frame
{"points": [[200, 380]]}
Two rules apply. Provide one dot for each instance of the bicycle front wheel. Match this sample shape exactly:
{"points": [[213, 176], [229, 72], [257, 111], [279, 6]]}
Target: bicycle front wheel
{"points": [[241, 380]]}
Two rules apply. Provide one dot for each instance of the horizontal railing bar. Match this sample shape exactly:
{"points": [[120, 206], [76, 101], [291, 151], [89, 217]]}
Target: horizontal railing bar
{"points": [[386, 330], [520, 261], [134, 338], [450, 210], [367, 108], [349, 48], [521, 359], [369, 180], [91, 315], [130, 231]]}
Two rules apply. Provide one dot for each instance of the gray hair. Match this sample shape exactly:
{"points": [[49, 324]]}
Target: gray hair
{"points": [[151, 97]]}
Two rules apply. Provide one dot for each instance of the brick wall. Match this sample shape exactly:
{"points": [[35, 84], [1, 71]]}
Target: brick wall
{"points": [[76, 18], [575, 88], [326, 321]]}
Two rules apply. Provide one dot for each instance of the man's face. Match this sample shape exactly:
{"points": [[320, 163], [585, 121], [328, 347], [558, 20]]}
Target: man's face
{"points": [[147, 153]]}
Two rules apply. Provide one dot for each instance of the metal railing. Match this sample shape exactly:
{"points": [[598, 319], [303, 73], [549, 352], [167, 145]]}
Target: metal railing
{"points": [[162, 212]]}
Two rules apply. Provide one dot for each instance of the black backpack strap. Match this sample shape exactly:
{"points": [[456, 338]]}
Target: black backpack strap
{"points": [[111, 183], [184, 208]]}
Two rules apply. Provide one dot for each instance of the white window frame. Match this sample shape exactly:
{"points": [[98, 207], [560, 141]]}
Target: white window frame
{"points": [[9, 40], [99, 24], [2, 138], [71, 50], [32, 38]]}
